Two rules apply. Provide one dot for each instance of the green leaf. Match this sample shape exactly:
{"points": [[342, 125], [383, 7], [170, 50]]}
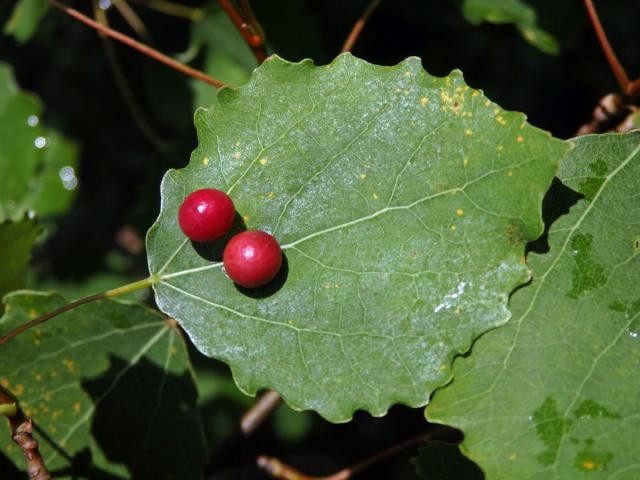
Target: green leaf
{"points": [[16, 241], [514, 12], [226, 55], [443, 461], [402, 202], [36, 164], [109, 387], [555, 392], [25, 18]]}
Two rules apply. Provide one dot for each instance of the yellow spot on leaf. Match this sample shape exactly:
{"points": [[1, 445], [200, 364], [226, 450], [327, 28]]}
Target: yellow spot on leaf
{"points": [[459, 212], [510, 173], [69, 364], [465, 162], [245, 218], [19, 390], [513, 456], [38, 376], [375, 195], [263, 161], [499, 148], [236, 155], [363, 176], [487, 103], [237, 144], [500, 119], [5, 383], [56, 414], [453, 227], [588, 465], [205, 161], [33, 313], [270, 195], [76, 407], [475, 93], [520, 139], [424, 101], [469, 132]]}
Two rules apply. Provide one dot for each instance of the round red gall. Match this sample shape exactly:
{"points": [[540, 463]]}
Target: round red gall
{"points": [[252, 258], [206, 214]]}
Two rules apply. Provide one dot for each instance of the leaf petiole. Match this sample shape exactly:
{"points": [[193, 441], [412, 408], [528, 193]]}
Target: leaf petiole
{"points": [[115, 292]]}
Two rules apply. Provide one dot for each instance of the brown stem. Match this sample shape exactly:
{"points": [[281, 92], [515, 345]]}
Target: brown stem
{"points": [[128, 97], [134, 21], [359, 25], [21, 429], [174, 9], [278, 469], [634, 88], [146, 50], [251, 420], [258, 413], [614, 63], [248, 27]]}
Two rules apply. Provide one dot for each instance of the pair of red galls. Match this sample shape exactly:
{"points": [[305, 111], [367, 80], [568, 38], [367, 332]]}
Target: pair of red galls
{"points": [[251, 258]]}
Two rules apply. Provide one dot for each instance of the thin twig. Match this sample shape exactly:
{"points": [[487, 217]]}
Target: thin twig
{"points": [[174, 9], [134, 21], [614, 63], [251, 420], [125, 90], [280, 470], [145, 49], [359, 25], [21, 433], [248, 28], [258, 413]]}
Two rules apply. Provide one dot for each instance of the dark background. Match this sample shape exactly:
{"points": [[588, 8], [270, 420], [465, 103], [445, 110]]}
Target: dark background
{"points": [[120, 170]]}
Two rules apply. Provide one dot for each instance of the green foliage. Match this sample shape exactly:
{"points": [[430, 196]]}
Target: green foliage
{"points": [[555, 392], [514, 12], [109, 387], [380, 185], [443, 461], [37, 164], [225, 55], [16, 241], [25, 18]]}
